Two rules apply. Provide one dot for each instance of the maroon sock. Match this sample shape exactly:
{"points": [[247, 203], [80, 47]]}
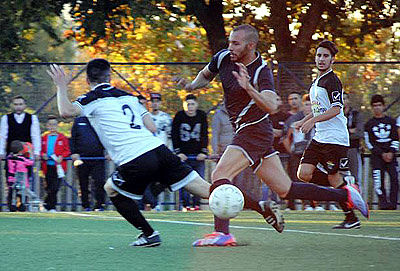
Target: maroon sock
{"points": [[220, 225]]}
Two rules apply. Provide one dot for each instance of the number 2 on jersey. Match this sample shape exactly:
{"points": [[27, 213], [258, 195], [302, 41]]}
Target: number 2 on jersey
{"points": [[133, 125]]}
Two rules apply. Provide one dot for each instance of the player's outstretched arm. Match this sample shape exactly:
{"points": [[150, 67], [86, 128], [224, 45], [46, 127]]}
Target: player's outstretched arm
{"points": [[149, 123], [266, 100], [61, 80], [203, 78]]}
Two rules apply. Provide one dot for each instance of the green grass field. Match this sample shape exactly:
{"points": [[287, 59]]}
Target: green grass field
{"points": [[100, 241]]}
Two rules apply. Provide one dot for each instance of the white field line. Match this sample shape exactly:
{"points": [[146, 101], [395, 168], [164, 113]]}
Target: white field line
{"points": [[245, 227]]}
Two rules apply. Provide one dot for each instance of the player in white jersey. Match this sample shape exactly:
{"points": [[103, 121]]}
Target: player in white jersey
{"points": [[162, 120], [125, 129], [329, 145]]}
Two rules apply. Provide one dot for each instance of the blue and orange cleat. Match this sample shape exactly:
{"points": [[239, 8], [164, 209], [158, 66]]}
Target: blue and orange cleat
{"points": [[354, 200], [218, 239]]}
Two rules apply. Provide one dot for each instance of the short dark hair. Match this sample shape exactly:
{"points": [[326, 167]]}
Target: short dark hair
{"points": [[190, 97], [98, 70], [52, 117], [251, 32], [294, 92], [141, 97], [16, 146], [18, 97], [327, 44], [306, 97], [377, 98]]}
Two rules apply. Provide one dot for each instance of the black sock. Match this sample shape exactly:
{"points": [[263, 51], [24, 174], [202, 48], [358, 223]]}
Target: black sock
{"points": [[300, 190], [129, 210]]}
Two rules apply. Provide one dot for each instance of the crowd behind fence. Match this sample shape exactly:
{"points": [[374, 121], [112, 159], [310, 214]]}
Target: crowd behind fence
{"points": [[69, 194], [31, 81]]}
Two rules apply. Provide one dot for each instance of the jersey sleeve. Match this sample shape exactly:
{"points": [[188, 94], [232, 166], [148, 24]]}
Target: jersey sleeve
{"points": [[266, 80], [215, 62], [87, 103], [335, 92]]}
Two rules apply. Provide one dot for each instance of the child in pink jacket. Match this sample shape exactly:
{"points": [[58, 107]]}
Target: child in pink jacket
{"points": [[17, 165]]}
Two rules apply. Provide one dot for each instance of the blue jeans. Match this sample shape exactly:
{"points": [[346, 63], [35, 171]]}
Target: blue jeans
{"points": [[184, 195]]}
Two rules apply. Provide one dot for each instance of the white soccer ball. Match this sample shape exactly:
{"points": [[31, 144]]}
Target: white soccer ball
{"points": [[226, 201]]}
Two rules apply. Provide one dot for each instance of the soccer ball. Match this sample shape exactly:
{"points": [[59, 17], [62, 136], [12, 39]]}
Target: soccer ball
{"points": [[226, 201]]}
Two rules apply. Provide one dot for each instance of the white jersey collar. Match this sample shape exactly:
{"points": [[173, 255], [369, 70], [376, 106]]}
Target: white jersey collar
{"points": [[101, 84]]}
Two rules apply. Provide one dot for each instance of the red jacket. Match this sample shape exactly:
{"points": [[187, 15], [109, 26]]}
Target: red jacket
{"points": [[61, 148]]}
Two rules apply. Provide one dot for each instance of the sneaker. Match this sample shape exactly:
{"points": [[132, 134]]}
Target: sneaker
{"points": [[147, 241], [88, 209], [333, 207], [272, 214], [52, 211], [319, 208], [308, 208], [353, 223], [354, 200], [219, 239]]}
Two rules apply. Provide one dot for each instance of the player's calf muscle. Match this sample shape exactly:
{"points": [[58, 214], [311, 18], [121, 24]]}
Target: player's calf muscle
{"points": [[109, 190]]}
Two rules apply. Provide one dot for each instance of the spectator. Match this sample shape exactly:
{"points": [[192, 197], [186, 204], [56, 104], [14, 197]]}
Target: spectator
{"points": [[55, 147], [21, 126], [294, 101], [190, 138], [295, 143], [222, 135], [86, 143], [17, 180], [382, 139], [355, 126]]}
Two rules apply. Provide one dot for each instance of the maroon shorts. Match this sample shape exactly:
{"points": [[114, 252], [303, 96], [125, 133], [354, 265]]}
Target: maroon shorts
{"points": [[256, 142]]}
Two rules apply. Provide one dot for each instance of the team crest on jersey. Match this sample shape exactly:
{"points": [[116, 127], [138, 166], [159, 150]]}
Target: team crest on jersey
{"points": [[336, 96], [344, 163], [382, 132]]}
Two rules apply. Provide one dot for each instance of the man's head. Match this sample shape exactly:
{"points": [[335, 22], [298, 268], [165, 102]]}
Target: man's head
{"points": [[378, 105], [18, 104], [155, 99], [242, 42], [98, 71], [190, 105], [306, 104], [16, 146], [325, 55], [346, 99], [294, 101], [52, 124]]}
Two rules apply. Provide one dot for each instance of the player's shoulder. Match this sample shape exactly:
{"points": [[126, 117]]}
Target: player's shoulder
{"points": [[101, 92], [330, 81]]}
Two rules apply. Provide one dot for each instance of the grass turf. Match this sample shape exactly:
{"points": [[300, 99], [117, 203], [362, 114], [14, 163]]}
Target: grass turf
{"points": [[100, 241]]}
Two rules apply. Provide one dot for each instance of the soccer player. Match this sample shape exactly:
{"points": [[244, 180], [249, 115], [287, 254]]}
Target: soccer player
{"points": [[249, 97], [330, 143], [125, 129]]}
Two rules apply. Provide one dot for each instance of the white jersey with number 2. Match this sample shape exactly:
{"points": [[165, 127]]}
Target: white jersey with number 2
{"points": [[116, 116]]}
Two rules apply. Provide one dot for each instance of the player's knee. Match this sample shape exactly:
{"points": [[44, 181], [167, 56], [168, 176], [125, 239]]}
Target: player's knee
{"points": [[109, 189]]}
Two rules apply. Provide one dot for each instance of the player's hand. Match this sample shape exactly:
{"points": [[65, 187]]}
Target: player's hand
{"points": [[182, 83], [297, 125], [201, 157], [307, 126], [242, 76], [182, 156], [60, 78]]}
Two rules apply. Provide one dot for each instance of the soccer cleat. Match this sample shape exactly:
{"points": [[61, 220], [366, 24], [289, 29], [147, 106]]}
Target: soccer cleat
{"points": [[352, 223], [218, 239], [272, 214], [354, 200], [147, 241]]}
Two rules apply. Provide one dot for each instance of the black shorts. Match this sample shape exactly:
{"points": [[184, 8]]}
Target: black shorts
{"points": [[256, 142], [332, 157], [159, 164]]}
